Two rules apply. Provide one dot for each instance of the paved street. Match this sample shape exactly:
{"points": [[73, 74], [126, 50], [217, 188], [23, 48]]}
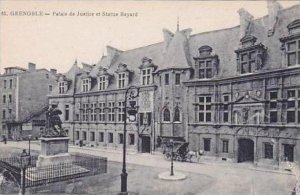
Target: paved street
{"points": [[203, 178]]}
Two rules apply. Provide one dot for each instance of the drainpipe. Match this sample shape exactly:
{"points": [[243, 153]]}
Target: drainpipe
{"points": [[17, 92]]}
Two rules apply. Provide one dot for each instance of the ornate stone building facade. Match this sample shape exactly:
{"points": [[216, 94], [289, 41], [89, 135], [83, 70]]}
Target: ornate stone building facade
{"points": [[233, 93]]}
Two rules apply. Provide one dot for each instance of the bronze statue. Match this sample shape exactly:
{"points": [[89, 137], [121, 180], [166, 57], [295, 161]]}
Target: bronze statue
{"points": [[53, 123]]}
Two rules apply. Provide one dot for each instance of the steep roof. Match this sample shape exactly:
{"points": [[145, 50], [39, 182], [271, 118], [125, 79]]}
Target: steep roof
{"points": [[178, 49], [177, 52], [70, 76]]}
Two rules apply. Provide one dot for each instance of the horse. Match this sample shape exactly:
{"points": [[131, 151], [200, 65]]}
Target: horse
{"points": [[196, 154]]}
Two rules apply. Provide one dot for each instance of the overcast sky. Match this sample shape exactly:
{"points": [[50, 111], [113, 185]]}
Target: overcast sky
{"points": [[56, 41]]}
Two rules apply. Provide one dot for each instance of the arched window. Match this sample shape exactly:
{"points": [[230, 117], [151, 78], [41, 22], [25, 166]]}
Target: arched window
{"points": [[166, 115], [177, 115]]}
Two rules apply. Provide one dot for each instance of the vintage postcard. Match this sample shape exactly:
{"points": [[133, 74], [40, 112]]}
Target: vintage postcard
{"points": [[150, 97]]}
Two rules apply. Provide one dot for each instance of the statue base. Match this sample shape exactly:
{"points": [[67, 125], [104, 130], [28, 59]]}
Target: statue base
{"points": [[54, 150]]}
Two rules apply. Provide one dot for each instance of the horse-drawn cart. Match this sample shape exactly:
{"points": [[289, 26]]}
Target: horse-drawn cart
{"points": [[180, 151]]}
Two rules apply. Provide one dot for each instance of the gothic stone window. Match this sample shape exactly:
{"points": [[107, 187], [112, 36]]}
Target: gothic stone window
{"points": [[85, 112], [166, 115], [93, 112], [177, 115], [291, 44], [121, 109], [205, 109], [111, 111], [225, 108], [206, 64], [250, 57], [101, 111], [147, 68], [293, 106], [273, 106]]}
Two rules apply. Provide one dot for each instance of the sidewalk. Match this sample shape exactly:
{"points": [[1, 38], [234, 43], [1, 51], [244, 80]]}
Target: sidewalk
{"points": [[154, 160]]}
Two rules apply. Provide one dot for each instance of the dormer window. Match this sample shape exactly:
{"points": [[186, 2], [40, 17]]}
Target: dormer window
{"points": [[251, 56], [121, 80], [86, 84], [291, 44], [103, 78], [293, 53], [206, 64], [123, 75], [62, 87], [147, 68], [63, 84], [146, 75], [102, 82]]}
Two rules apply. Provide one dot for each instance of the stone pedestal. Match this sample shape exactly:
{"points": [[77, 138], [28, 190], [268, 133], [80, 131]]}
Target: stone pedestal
{"points": [[54, 150]]}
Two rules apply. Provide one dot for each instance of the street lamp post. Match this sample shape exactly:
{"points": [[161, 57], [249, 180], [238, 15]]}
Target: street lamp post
{"points": [[29, 139], [24, 161], [131, 93], [172, 156]]}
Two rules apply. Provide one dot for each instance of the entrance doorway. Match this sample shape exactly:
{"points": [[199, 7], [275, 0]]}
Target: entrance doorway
{"points": [[245, 150], [146, 144], [288, 152]]}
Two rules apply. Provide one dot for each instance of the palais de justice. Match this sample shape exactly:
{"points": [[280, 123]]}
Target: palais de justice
{"points": [[233, 93]]}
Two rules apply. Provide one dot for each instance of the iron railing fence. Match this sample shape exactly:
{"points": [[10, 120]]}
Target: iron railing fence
{"points": [[79, 165], [15, 161], [10, 171]]}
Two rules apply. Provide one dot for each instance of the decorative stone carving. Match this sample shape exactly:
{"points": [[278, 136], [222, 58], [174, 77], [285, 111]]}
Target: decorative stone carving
{"points": [[273, 9], [294, 27], [245, 22], [122, 68], [147, 63], [249, 46], [245, 114], [205, 54]]}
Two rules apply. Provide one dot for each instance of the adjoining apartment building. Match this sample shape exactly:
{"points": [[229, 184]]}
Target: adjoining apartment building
{"points": [[233, 93], [23, 100]]}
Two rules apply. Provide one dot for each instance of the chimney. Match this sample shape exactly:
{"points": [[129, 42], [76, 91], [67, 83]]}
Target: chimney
{"points": [[168, 35], [53, 71], [245, 22], [31, 67], [273, 10]]}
